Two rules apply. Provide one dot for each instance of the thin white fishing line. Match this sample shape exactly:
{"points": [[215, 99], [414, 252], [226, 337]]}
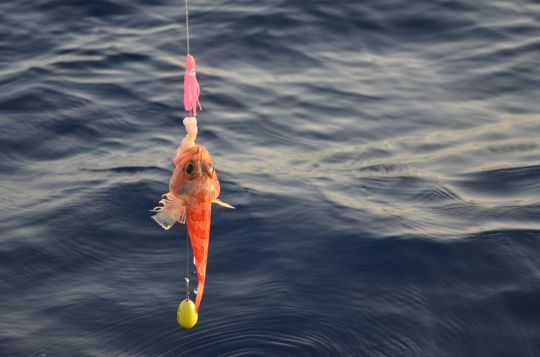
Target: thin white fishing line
{"points": [[187, 27], [187, 265]]}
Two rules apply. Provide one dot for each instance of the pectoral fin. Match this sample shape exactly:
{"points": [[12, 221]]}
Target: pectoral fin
{"points": [[221, 203], [172, 210]]}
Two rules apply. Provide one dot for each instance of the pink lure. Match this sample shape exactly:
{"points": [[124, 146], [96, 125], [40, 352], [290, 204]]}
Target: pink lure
{"points": [[191, 87]]}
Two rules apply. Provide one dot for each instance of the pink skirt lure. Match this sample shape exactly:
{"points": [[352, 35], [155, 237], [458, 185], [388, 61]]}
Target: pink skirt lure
{"points": [[191, 87]]}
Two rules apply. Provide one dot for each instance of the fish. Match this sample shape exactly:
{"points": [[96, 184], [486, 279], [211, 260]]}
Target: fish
{"points": [[193, 187]]}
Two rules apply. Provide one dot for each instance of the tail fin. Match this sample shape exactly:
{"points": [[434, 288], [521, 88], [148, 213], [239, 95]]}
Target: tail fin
{"points": [[200, 290]]}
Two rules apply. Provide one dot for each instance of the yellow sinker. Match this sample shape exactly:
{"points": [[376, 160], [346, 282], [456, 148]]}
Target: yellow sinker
{"points": [[186, 315]]}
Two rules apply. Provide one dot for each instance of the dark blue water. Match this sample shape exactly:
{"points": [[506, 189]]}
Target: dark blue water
{"points": [[383, 156]]}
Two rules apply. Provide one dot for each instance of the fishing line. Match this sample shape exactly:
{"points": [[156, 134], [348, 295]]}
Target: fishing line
{"points": [[187, 234], [186, 8], [187, 265], [187, 27]]}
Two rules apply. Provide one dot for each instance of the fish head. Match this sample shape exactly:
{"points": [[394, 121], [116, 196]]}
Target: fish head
{"points": [[194, 178]]}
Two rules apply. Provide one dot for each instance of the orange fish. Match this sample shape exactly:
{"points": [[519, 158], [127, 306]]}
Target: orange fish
{"points": [[193, 187]]}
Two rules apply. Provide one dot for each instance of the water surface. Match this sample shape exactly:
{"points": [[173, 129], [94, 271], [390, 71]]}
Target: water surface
{"points": [[383, 157]]}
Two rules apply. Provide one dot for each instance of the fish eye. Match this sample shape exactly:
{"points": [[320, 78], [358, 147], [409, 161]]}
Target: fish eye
{"points": [[189, 169]]}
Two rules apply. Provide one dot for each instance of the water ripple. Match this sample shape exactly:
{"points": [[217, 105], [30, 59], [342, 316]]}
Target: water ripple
{"points": [[382, 156]]}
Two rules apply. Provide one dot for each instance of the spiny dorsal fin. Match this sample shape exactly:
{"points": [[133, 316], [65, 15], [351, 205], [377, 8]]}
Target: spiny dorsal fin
{"points": [[223, 204], [165, 220], [171, 211]]}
